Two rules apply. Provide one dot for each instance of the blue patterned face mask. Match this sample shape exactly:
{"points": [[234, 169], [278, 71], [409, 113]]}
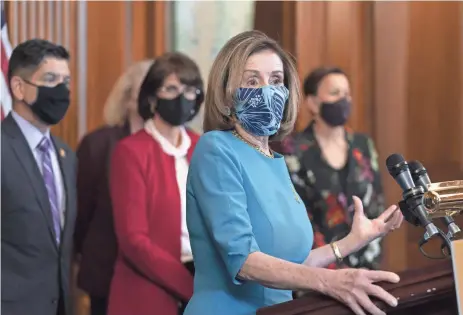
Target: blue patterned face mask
{"points": [[260, 110]]}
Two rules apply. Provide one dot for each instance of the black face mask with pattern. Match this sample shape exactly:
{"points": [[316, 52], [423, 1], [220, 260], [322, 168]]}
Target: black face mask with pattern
{"points": [[51, 103], [336, 113], [176, 111]]}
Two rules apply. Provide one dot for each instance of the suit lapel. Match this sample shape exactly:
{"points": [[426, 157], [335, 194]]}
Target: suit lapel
{"points": [[26, 158]]}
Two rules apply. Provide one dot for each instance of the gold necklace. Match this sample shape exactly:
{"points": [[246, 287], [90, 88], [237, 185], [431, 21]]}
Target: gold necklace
{"points": [[236, 134]]}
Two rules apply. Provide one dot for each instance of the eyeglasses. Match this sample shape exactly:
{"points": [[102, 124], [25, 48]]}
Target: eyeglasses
{"points": [[47, 83], [173, 91]]}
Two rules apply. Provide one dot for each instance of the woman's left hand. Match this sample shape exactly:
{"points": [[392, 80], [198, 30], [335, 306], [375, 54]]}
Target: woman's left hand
{"points": [[366, 230]]}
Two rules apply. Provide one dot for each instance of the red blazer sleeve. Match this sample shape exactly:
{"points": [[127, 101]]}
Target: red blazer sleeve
{"points": [[129, 199], [88, 169]]}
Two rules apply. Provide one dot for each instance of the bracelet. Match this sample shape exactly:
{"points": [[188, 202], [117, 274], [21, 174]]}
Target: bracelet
{"points": [[336, 252]]}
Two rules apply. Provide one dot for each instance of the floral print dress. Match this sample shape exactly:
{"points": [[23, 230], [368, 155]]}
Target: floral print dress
{"points": [[327, 192]]}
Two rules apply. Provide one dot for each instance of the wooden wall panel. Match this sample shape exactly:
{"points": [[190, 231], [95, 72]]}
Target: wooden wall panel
{"points": [[139, 44], [434, 82], [349, 45], [119, 33], [404, 60], [325, 33], [54, 21], [434, 94], [106, 57], [390, 25], [157, 29], [418, 56]]}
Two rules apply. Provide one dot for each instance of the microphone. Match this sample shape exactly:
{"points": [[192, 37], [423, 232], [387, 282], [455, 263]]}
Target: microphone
{"points": [[412, 195], [421, 178]]}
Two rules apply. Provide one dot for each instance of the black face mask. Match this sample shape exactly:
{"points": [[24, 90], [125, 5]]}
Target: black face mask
{"points": [[51, 104], [336, 114], [176, 111]]}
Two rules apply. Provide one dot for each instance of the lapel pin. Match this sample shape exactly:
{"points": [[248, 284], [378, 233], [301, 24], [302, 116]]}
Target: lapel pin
{"points": [[62, 153]]}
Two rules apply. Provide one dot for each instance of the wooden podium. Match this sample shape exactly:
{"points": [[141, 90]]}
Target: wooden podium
{"points": [[427, 291]]}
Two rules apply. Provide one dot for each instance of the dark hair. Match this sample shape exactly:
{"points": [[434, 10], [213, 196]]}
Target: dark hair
{"points": [[27, 57], [312, 81], [177, 63]]}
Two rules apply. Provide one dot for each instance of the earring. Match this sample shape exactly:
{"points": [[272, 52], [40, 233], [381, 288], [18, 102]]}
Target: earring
{"points": [[227, 111]]}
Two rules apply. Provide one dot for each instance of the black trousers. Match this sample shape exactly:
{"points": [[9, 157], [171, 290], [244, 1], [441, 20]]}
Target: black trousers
{"points": [[191, 267], [98, 305]]}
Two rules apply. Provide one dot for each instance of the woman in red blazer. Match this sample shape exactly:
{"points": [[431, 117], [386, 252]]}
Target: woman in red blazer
{"points": [[148, 192]]}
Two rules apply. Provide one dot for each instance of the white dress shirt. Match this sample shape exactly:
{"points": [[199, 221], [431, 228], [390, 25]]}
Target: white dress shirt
{"points": [[33, 137]]}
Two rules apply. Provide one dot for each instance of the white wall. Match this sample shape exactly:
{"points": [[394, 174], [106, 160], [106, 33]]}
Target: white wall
{"points": [[201, 28]]}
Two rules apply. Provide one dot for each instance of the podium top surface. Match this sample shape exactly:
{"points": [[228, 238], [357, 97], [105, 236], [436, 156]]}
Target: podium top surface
{"points": [[415, 287]]}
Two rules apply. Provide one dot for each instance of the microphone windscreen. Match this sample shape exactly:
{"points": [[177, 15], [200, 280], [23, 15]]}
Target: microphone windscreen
{"points": [[394, 161], [415, 166]]}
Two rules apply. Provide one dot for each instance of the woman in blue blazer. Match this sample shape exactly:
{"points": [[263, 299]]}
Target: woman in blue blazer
{"points": [[249, 231]]}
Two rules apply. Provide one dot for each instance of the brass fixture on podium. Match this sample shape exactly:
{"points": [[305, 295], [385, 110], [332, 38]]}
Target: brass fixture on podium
{"points": [[444, 199], [423, 201]]}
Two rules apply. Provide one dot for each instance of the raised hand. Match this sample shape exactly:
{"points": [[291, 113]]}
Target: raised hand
{"points": [[366, 230]]}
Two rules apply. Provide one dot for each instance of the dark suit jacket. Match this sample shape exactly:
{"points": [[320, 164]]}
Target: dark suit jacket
{"points": [[35, 270], [94, 233]]}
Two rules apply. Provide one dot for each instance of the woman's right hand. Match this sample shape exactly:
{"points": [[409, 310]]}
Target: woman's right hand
{"points": [[354, 287]]}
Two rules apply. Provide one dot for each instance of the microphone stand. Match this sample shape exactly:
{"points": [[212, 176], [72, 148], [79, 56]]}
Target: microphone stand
{"points": [[446, 244], [453, 229], [407, 206]]}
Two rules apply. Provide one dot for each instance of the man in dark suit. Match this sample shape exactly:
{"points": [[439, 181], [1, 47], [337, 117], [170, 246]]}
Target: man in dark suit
{"points": [[38, 185]]}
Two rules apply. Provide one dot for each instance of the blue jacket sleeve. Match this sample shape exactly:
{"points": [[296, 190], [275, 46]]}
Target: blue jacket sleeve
{"points": [[217, 183]]}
